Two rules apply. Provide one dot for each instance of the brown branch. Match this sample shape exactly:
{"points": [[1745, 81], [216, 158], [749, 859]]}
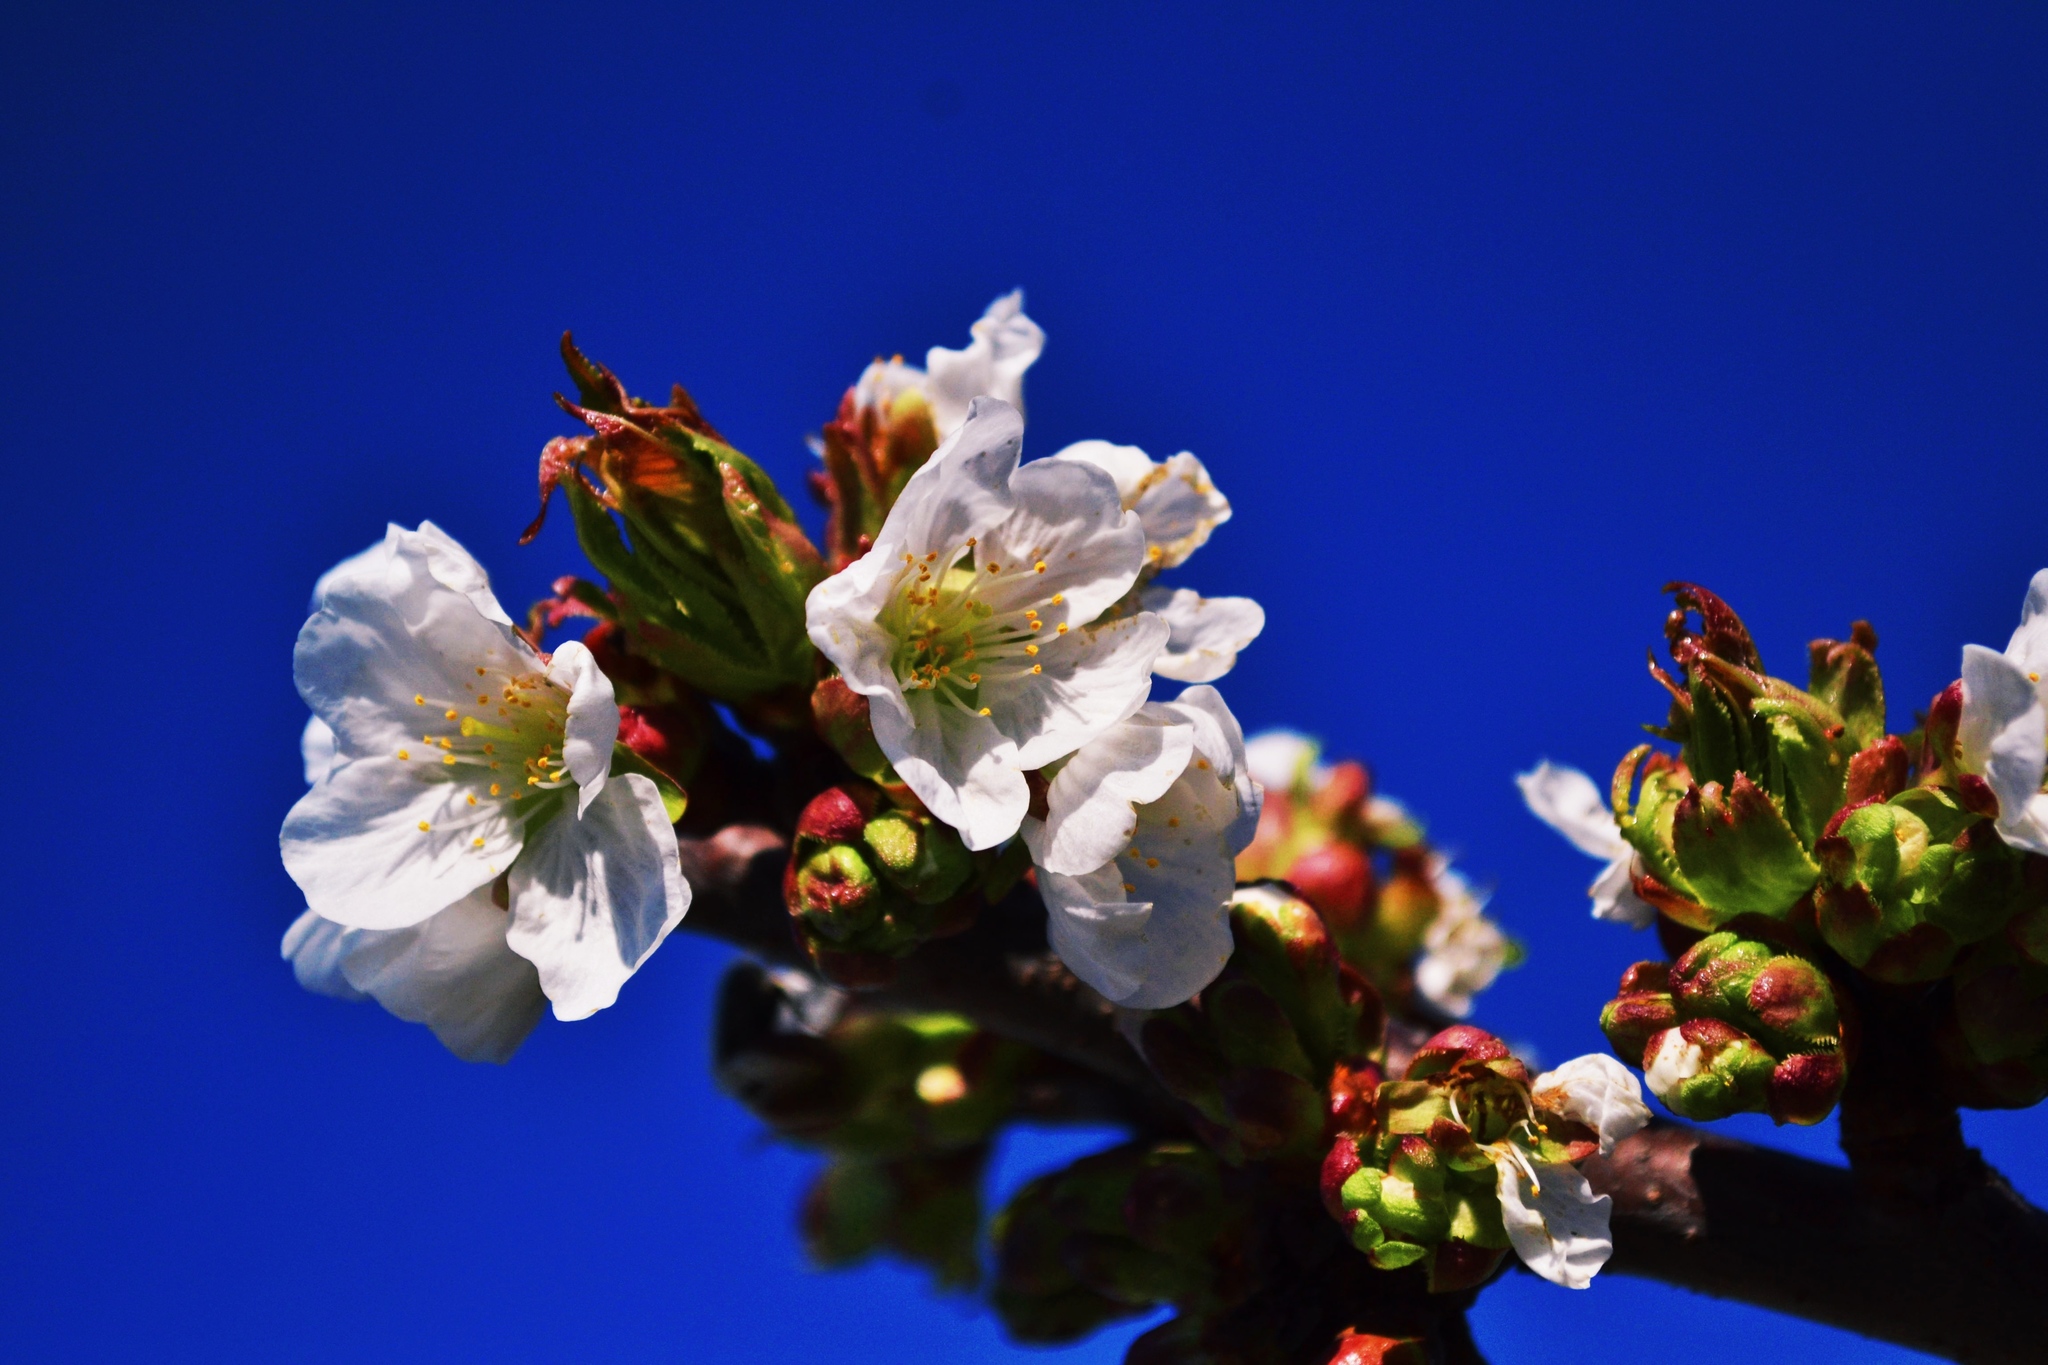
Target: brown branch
{"points": [[1954, 1270], [1959, 1278]]}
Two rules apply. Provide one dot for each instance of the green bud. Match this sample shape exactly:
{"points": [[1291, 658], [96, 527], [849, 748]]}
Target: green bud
{"points": [[1705, 1070], [921, 856], [1642, 1008]]}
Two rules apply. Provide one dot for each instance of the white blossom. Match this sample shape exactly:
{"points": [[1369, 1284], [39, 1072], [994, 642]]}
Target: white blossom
{"points": [[1284, 760], [461, 756], [1462, 950], [1005, 344], [972, 625], [1566, 800], [2003, 734], [1597, 1091], [1555, 1222], [1136, 855]]}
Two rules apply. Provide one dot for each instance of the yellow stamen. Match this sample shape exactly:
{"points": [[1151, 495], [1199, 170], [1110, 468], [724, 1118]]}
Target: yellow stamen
{"points": [[449, 714], [1151, 862], [476, 843], [1035, 668], [418, 700], [1173, 822], [1039, 567], [494, 789], [985, 711], [1031, 649], [424, 827], [472, 798], [405, 753], [1062, 628], [1058, 598], [448, 759]]}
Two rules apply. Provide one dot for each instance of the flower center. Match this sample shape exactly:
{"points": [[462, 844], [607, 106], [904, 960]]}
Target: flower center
{"points": [[952, 637], [503, 740]]}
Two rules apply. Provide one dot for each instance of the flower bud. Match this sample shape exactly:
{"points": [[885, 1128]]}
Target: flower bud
{"points": [[1705, 1069], [1641, 1009], [714, 580], [867, 883]]}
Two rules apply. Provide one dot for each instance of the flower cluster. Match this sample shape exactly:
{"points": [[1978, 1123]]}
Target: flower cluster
{"points": [[940, 719], [1796, 857], [1398, 911]]}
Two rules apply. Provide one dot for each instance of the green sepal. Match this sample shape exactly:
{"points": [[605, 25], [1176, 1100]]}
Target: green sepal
{"points": [[1395, 1255], [674, 800], [1738, 852]]}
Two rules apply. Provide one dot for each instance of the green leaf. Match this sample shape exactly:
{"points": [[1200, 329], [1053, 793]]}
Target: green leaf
{"points": [[1738, 851]]}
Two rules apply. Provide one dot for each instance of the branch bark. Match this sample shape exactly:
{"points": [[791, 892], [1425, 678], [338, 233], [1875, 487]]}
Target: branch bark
{"points": [[1956, 1271]]}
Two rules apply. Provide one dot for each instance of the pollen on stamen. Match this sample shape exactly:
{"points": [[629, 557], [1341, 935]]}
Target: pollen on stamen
{"points": [[1039, 567], [1038, 668], [424, 827], [405, 753], [490, 748], [496, 790], [448, 759], [418, 700], [1062, 629], [1031, 649], [1151, 862], [1173, 822], [479, 672], [476, 842], [471, 798], [483, 701], [974, 678], [995, 568], [449, 714], [1203, 764], [1129, 887], [986, 712], [532, 781], [1058, 598]]}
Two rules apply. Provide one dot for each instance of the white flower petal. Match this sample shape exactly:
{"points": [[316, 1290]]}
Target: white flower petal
{"points": [[1557, 1225], [594, 896], [962, 767], [2004, 734], [884, 381], [1090, 815], [1174, 499], [389, 630], [1206, 632], [593, 722], [1066, 518], [1597, 1091], [1566, 800], [1220, 739], [1093, 678], [1141, 954], [458, 570], [1463, 951], [315, 948], [1614, 895], [356, 846], [2029, 644], [317, 749], [1280, 760], [1005, 344]]}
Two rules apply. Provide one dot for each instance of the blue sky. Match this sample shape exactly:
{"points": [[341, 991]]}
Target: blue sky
{"points": [[1488, 322]]}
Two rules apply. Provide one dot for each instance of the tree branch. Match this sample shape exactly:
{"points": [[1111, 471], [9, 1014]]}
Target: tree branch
{"points": [[1960, 1278], [1957, 1272]]}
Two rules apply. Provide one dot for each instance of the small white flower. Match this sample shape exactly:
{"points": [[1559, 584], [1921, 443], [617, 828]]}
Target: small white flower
{"points": [[1283, 760], [1669, 1061], [460, 755], [1174, 498], [1463, 950], [1557, 1225], [971, 626], [1597, 1091], [1566, 800], [1207, 632], [1136, 855], [2003, 734], [1005, 344]]}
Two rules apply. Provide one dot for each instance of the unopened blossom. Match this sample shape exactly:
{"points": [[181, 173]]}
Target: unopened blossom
{"points": [[1136, 854], [461, 756], [1462, 950], [1555, 1222], [1597, 1091], [1005, 344], [972, 625], [1566, 800], [2003, 734]]}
